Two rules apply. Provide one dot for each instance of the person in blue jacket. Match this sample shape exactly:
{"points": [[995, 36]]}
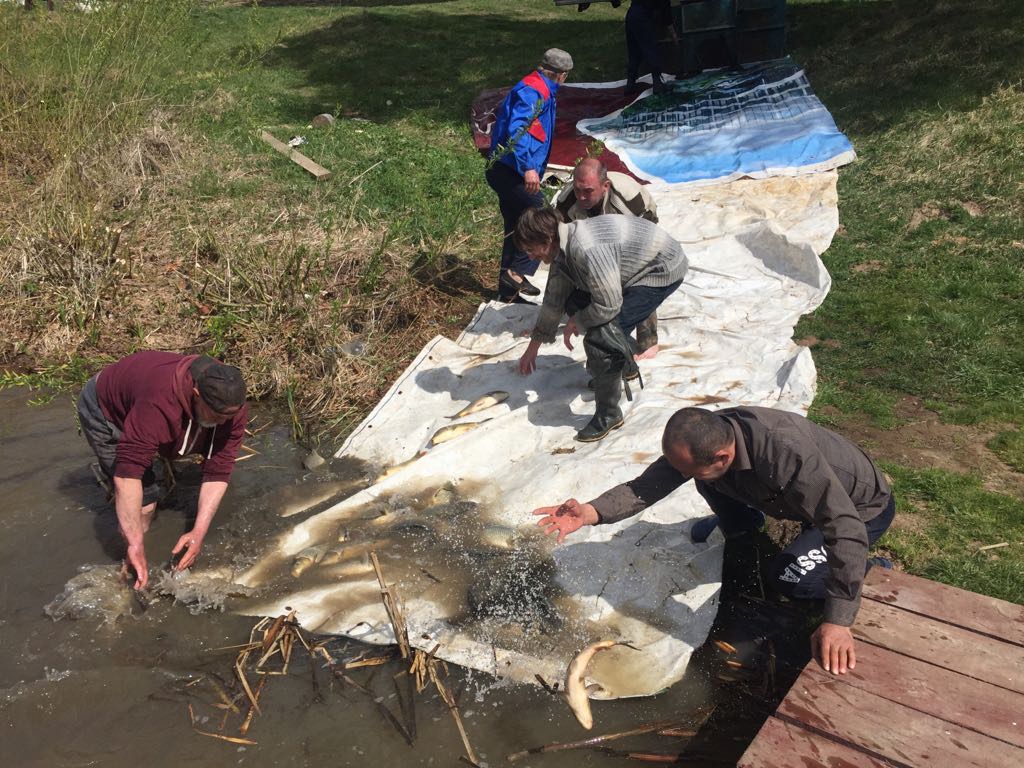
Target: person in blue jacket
{"points": [[521, 138]]}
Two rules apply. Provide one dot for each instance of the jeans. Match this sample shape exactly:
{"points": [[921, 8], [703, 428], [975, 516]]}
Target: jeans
{"points": [[513, 199], [638, 303], [800, 569], [103, 438]]}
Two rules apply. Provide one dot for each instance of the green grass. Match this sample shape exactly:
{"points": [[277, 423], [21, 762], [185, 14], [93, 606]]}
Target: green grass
{"points": [[930, 95], [957, 517], [401, 78], [1009, 446]]}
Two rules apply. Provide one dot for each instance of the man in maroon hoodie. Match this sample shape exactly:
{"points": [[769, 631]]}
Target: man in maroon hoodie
{"points": [[154, 403]]}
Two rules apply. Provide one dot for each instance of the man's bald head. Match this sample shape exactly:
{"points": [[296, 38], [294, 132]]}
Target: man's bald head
{"points": [[591, 166], [590, 182], [702, 432]]}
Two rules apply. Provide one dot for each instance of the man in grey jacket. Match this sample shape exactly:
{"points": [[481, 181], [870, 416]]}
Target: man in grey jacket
{"points": [[607, 274], [596, 191], [748, 462]]}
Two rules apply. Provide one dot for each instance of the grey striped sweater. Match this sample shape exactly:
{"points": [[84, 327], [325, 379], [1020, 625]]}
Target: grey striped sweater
{"points": [[603, 256]]}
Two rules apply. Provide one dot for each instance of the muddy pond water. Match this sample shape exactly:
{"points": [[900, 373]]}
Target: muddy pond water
{"points": [[87, 691]]}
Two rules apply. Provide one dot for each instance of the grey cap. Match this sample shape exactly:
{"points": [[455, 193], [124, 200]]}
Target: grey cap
{"points": [[556, 60]]}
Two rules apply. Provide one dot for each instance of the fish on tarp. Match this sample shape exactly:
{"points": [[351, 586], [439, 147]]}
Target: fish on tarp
{"points": [[499, 537], [481, 403], [353, 550], [352, 561], [577, 692], [300, 498], [397, 467], [334, 555], [444, 495], [306, 559], [444, 434], [413, 528], [451, 510], [357, 566]]}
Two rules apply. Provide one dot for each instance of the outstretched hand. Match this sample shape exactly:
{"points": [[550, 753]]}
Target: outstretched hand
{"points": [[566, 518], [832, 647]]}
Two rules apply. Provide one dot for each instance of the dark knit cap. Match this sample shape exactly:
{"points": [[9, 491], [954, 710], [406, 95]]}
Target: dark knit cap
{"points": [[221, 386]]}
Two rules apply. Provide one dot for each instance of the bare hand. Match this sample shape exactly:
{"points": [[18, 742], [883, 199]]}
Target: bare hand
{"points": [[528, 362], [192, 545], [531, 180], [137, 559], [832, 646], [566, 518], [569, 332]]}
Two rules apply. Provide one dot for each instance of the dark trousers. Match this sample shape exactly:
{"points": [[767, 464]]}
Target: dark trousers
{"points": [[641, 42], [638, 303], [103, 438], [513, 199], [800, 569]]}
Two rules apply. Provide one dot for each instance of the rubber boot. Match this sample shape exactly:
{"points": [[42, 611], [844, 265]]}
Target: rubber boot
{"points": [[607, 391], [608, 354]]}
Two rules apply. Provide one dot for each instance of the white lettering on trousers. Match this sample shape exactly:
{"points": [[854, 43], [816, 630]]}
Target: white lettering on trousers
{"points": [[803, 564]]}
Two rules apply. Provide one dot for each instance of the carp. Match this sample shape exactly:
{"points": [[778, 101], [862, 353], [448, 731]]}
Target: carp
{"points": [[482, 403], [356, 566], [397, 467], [444, 434], [304, 497], [577, 692], [444, 495], [498, 537], [306, 559], [334, 555]]}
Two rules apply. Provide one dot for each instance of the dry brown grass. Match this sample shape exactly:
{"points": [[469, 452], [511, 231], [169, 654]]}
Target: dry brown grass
{"points": [[140, 261]]}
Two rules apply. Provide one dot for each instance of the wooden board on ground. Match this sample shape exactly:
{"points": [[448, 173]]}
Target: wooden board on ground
{"points": [[940, 692], [781, 744], [318, 171], [959, 607], [937, 642], [884, 729], [939, 681]]}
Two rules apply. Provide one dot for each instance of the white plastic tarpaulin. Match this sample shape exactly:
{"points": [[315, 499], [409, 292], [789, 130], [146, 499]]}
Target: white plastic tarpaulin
{"points": [[726, 339]]}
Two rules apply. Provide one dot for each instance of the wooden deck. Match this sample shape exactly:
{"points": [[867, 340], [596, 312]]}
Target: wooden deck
{"points": [[939, 682]]}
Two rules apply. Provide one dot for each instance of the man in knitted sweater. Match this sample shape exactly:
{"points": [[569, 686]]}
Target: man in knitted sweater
{"points": [[596, 191], [608, 274]]}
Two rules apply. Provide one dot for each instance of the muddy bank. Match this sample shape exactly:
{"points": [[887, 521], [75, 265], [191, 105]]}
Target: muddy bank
{"points": [[88, 692]]}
